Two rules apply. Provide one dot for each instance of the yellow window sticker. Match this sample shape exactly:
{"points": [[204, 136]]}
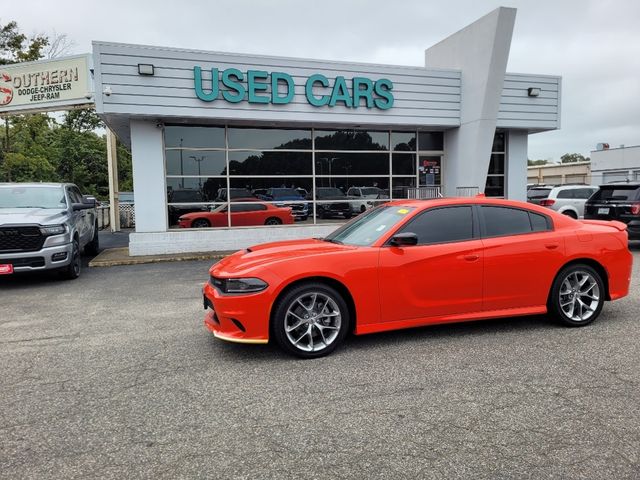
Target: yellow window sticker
{"points": [[403, 211]]}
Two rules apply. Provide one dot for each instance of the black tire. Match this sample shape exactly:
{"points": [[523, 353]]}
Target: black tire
{"points": [[273, 221], [72, 271], [567, 297], [363, 209], [570, 213], [348, 214], [320, 329], [93, 247], [200, 223]]}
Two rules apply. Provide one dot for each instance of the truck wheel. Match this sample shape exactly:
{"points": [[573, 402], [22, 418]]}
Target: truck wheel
{"points": [[72, 270], [93, 247]]}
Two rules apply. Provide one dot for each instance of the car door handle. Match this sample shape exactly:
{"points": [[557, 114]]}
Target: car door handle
{"points": [[551, 246], [471, 257]]}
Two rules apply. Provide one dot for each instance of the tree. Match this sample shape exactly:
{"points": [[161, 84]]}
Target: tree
{"points": [[532, 163], [15, 47], [573, 157], [20, 168]]}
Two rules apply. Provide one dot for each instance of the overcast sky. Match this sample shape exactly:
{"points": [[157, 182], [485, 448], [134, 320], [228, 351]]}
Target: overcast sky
{"points": [[593, 44]]}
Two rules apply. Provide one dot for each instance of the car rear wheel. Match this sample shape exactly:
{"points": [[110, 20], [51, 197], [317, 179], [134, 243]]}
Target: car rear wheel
{"points": [[273, 221], [362, 208], [570, 213], [310, 320], [577, 295], [200, 223]]}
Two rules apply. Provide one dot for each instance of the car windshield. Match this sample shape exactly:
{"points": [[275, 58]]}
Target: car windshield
{"points": [[619, 192], [538, 193], [369, 227], [329, 192], [32, 197], [285, 192]]}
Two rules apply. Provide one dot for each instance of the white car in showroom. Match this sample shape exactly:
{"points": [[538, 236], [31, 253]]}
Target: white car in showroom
{"points": [[361, 198]]}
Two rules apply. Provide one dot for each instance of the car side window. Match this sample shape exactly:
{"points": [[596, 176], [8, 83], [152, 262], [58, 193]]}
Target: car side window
{"points": [[442, 225], [74, 195], [499, 221], [539, 223], [247, 207], [584, 193], [569, 193]]}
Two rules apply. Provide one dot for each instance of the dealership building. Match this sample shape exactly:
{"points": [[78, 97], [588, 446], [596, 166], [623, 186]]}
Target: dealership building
{"points": [[258, 148]]}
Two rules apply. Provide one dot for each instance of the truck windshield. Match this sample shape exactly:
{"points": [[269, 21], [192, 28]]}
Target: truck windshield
{"points": [[32, 197], [369, 227]]}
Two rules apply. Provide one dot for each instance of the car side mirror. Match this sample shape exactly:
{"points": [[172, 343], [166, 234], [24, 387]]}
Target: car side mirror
{"points": [[89, 200], [82, 206], [404, 239]]}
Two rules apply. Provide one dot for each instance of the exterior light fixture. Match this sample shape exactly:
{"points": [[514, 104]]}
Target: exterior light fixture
{"points": [[531, 91], [145, 69]]}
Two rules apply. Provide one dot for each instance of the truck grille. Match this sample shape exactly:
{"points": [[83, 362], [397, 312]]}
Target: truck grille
{"points": [[20, 239]]}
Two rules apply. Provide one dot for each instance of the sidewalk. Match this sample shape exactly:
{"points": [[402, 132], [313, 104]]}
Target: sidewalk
{"points": [[116, 252]]}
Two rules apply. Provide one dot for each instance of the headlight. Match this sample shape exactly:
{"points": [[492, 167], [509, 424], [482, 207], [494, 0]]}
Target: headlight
{"points": [[49, 230], [238, 285]]}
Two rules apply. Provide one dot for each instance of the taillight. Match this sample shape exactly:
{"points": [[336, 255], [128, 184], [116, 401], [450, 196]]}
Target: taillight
{"points": [[635, 209], [547, 202]]}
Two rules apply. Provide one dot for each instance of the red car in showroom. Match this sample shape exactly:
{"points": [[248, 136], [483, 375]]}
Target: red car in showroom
{"points": [[248, 213], [412, 263]]}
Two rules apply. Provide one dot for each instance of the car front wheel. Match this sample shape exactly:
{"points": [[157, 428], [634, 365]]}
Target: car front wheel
{"points": [[310, 320], [72, 271], [577, 295]]}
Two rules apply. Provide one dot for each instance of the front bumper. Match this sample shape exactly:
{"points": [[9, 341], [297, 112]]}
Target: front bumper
{"points": [[40, 260], [237, 318]]}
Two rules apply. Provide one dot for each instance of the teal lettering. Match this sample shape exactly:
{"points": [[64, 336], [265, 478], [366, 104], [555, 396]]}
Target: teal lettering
{"points": [[366, 92], [254, 85], [340, 93], [383, 89], [308, 88], [277, 77], [233, 85], [197, 81]]}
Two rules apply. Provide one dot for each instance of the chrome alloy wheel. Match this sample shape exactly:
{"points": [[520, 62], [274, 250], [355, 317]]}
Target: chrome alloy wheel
{"points": [[312, 321], [579, 296]]}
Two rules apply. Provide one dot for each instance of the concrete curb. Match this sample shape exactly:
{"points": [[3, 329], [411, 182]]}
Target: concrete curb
{"points": [[112, 257]]}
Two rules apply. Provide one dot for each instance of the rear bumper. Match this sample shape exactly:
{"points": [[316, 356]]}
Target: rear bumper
{"points": [[40, 260]]}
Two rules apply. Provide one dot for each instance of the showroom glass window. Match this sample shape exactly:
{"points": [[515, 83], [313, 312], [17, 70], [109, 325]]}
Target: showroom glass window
{"points": [[303, 176], [496, 177]]}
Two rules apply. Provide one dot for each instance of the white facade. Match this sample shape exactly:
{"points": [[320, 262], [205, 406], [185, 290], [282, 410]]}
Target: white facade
{"points": [[463, 91], [615, 165]]}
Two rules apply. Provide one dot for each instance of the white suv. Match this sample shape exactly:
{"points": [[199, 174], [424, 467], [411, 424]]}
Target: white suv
{"points": [[567, 199], [360, 198]]}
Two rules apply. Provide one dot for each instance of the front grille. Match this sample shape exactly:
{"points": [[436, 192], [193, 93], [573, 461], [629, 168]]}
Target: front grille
{"points": [[20, 239], [32, 262]]}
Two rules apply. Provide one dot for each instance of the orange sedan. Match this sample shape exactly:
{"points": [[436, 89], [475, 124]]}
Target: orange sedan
{"points": [[248, 213], [412, 263]]}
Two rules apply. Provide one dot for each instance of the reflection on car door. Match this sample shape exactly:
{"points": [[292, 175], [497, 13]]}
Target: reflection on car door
{"points": [[79, 216], [441, 275], [522, 255]]}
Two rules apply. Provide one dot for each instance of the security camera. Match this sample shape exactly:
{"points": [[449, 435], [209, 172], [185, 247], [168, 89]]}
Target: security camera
{"points": [[107, 91], [88, 95], [159, 125]]}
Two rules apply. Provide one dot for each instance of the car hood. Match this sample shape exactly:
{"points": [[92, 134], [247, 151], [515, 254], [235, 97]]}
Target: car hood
{"points": [[268, 254], [41, 216]]}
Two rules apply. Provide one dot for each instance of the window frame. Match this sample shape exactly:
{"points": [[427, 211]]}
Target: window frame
{"points": [[475, 230], [483, 224]]}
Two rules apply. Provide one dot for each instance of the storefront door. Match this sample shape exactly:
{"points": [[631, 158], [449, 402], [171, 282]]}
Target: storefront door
{"points": [[429, 170]]}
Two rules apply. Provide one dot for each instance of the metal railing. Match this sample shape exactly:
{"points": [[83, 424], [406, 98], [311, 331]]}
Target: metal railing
{"points": [[467, 191], [127, 216], [424, 193]]}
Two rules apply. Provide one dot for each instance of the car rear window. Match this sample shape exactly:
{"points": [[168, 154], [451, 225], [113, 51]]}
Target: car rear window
{"points": [[618, 193], [538, 193]]}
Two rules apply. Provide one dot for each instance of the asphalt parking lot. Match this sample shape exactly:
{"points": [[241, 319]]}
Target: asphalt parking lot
{"points": [[114, 376]]}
